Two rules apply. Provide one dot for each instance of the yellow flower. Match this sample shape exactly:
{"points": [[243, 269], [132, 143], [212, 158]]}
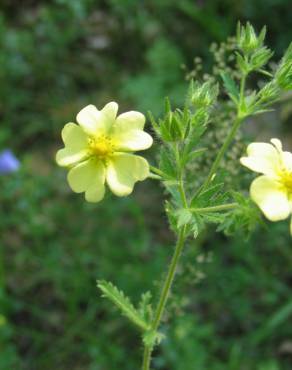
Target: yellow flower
{"points": [[272, 191], [100, 148]]}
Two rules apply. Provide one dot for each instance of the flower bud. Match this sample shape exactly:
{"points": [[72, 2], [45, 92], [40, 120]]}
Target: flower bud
{"points": [[247, 40], [203, 96]]}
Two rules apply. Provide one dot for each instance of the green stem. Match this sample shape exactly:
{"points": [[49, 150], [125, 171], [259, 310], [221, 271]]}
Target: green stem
{"points": [[154, 176], [169, 278], [242, 88], [221, 153], [156, 171], [171, 270], [239, 118], [222, 207], [180, 177], [164, 294], [146, 358]]}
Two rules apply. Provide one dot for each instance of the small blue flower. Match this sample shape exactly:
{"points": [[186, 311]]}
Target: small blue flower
{"points": [[8, 162]]}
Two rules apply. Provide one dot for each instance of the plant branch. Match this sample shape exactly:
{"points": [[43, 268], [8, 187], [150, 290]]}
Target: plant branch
{"points": [[223, 207], [238, 120], [164, 294]]}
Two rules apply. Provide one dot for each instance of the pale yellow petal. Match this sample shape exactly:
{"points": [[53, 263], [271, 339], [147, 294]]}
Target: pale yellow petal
{"points": [[87, 175], [93, 121], [70, 156], [73, 136], [75, 141], [263, 158], [110, 111], [271, 198], [132, 140], [277, 143], [129, 121], [123, 171], [95, 192], [287, 159]]}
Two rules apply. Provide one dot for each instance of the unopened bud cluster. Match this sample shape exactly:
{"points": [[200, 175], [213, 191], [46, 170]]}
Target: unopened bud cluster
{"points": [[203, 96], [254, 55], [247, 40]]}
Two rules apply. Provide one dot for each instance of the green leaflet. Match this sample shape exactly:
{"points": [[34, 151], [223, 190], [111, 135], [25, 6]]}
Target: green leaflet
{"points": [[230, 86], [124, 304]]}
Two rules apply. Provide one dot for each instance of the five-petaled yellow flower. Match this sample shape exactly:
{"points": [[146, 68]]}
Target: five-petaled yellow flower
{"points": [[100, 149], [272, 191]]}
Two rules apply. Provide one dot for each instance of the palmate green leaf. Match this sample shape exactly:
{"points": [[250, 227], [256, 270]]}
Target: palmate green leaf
{"points": [[200, 220], [123, 303], [243, 219]]}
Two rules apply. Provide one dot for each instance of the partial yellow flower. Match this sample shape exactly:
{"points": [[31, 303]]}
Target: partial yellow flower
{"points": [[100, 150], [272, 191]]}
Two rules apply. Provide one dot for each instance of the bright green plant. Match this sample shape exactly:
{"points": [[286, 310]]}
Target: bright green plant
{"points": [[101, 141]]}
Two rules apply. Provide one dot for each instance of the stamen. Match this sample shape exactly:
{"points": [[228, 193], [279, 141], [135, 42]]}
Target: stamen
{"points": [[286, 180], [101, 146]]}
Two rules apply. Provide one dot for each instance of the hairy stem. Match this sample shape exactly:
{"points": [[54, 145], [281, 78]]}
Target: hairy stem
{"points": [[221, 153], [171, 270], [164, 294], [238, 120], [146, 358]]}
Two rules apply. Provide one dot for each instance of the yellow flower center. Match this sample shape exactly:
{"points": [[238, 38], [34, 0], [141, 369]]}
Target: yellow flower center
{"points": [[101, 146], [286, 180]]}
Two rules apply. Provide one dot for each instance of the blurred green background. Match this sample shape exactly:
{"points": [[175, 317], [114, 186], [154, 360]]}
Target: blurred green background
{"points": [[231, 308]]}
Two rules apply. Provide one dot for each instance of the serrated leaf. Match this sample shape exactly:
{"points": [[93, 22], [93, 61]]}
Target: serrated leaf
{"points": [[230, 86], [195, 229], [208, 194], [116, 296], [154, 124], [145, 308], [167, 162], [186, 158], [214, 217]]}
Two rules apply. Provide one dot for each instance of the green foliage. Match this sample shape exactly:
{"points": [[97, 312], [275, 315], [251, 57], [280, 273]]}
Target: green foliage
{"points": [[283, 74], [56, 57], [243, 219], [119, 299], [247, 40], [230, 87]]}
